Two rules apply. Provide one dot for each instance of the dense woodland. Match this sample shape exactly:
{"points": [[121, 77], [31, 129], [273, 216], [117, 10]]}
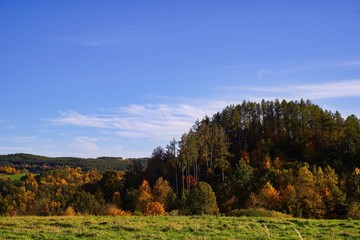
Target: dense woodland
{"points": [[37, 164], [290, 157]]}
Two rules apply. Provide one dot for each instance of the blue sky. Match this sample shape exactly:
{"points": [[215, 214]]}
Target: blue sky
{"points": [[119, 78]]}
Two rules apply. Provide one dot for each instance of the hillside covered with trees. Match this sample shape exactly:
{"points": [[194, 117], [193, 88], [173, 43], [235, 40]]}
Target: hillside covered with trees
{"points": [[292, 157], [289, 157], [37, 164]]}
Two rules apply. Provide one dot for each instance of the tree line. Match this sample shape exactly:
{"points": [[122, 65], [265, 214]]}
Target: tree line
{"points": [[36, 164]]}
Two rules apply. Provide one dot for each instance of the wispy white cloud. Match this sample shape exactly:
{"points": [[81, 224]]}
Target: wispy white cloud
{"points": [[293, 69], [26, 144], [86, 143], [71, 145], [347, 88], [262, 73], [355, 63], [96, 38], [5, 125], [150, 121], [93, 41], [73, 118]]}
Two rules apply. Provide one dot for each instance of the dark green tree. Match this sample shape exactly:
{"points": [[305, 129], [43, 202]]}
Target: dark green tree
{"points": [[134, 175], [111, 182], [202, 199], [172, 158], [221, 151], [155, 165], [85, 203], [241, 182]]}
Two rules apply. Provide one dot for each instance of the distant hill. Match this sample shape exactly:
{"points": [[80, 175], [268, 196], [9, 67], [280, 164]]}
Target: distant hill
{"points": [[36, 164]]}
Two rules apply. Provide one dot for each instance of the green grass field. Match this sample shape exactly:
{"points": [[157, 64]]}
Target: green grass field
{"points": [[175, 227], [12, 177]]}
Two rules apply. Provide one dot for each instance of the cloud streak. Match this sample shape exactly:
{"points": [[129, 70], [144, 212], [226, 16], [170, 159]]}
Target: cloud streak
{"points": [[293, 70], [158, 122], [348, 88], [100, 38], [331, 90], [87, 143], [89, 41]]}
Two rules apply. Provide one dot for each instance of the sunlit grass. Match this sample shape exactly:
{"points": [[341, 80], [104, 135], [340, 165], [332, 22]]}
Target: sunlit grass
{"points": [[175, 227], [12, 177]]}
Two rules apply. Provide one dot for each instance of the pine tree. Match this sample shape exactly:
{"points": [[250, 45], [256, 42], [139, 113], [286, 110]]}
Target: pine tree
{"points": [[221, 151]]}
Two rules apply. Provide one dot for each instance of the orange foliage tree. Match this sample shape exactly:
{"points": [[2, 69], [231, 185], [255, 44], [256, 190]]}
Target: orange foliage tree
{"points": [[268, 197], [154, 209], [144, 196]]}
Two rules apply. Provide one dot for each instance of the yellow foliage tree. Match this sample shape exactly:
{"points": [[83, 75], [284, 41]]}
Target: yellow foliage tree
{"points": [[268, 197], [8, 170], [163, 193], [144, 196], [312, 204], [267, 162], [154, 209], [289, 200]]}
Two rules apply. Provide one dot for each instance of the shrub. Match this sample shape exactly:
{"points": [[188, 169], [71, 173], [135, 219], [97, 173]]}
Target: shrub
{"points": [[354, 210], [112, 210], [69, 211], [258, 212], [154, 209], [173, 213], [3, 206]]}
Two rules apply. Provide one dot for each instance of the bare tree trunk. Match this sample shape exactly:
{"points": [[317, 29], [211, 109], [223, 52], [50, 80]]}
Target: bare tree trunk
{"points": [[176, 182], [183, 179], [211, 156], [188, 177], [196, 171]]}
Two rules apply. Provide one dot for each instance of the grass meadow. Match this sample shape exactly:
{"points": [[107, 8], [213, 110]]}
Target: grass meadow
{"points": [[175, 227], [12, 177]]}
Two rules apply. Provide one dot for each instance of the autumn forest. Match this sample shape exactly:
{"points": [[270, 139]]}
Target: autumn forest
{"points": [[292, 158]]}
